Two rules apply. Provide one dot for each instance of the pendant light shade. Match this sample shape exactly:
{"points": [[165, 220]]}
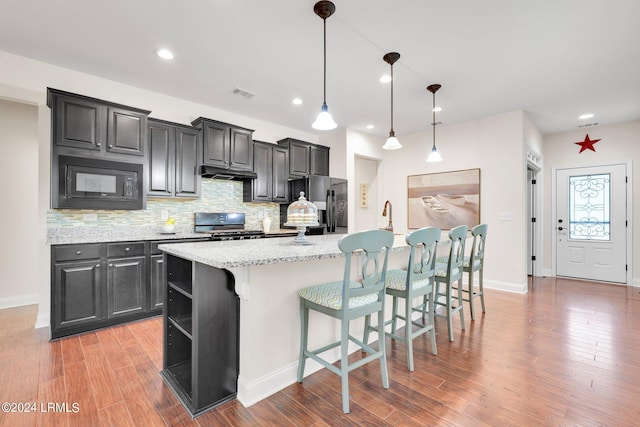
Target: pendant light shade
{"points": [[434, 155], [392, 142], [324, 9]]}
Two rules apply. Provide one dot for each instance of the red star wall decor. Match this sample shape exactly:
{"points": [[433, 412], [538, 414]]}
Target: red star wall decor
{"points": [[587, 144]]}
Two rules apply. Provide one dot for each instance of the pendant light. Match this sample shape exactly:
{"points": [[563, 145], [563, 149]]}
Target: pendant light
{"points": [[324, 9], [392, 142], [434, 156]]}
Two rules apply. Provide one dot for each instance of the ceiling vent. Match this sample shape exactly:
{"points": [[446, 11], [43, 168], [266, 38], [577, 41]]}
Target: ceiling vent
{"points": [[243, 92], [588, 125]]}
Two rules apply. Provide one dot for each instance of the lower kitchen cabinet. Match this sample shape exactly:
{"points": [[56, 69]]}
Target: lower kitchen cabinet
{"points": [[156, 275], [126, 279], [102, 284], [77, 294]]}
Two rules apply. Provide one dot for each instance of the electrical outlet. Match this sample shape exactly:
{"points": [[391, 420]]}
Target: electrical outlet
{"points": [[165, 215], [90, 217], [505, 216]]}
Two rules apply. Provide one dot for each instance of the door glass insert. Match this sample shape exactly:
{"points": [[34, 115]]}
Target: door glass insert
{"points": [[589, 207]]}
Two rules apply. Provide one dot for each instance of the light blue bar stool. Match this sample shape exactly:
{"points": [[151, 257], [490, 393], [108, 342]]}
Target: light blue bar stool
{"points": [[448, 273], [414, 282], [364, 297], [472, 263]]}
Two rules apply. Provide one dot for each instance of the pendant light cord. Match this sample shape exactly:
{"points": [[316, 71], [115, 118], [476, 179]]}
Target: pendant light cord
{"points": [[392, 133], [433, 110], [324, 94]]}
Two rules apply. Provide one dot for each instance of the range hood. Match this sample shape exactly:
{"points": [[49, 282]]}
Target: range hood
{"points": [[220, 173]]}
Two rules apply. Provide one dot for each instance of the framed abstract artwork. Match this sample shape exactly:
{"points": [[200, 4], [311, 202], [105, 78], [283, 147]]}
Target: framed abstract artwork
{"points": [[444, 199]]}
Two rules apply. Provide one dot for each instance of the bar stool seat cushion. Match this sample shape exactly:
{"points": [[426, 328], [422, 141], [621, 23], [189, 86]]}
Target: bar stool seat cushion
{"points": [[397, 279], [330, 295]]}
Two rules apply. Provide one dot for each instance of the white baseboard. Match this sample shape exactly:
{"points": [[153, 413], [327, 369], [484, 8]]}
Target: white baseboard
{"points": [[507, 287], [18, 301], [43, 320], [547, 273]]}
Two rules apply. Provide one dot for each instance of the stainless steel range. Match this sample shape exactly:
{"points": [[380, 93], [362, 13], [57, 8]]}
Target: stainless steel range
{"points": [[224, 226]]}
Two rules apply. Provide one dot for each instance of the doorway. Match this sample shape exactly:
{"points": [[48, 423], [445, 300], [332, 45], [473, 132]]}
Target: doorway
{"points": [[591, 222]]}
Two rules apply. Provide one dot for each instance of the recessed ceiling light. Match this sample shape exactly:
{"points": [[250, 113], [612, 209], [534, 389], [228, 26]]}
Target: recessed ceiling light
{"points": [[370, 126], [385, 79], [586, 116], [296, 101], [164, 53]]}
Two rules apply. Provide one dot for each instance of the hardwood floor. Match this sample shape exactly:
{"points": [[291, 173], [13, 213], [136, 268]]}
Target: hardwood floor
{"points": [[566, 353]]}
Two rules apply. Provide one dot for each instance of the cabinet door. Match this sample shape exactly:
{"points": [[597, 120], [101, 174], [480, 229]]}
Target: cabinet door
{"points": [[79, 123], [161, 159], [299, 158], [77, 298], [157, 279], [319, 160], [262, 185], [126, 286], [280, 172], [187, 155], [241, 154], [126, 132], [216, 145]]}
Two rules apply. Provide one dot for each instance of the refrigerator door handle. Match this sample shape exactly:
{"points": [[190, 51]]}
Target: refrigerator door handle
{"points": [[328, 211]]}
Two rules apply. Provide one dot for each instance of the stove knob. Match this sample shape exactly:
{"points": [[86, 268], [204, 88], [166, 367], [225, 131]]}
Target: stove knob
{"points": [[241, 238]]}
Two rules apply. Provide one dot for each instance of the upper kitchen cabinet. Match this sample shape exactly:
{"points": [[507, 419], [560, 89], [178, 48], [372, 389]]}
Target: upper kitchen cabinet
{"points": [[174, 157], [226, 146], [98, 128], [306, 158], [272, 168]]}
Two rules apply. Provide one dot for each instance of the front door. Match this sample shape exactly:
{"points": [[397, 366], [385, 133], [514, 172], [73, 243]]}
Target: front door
{"points": [[591, 223]]}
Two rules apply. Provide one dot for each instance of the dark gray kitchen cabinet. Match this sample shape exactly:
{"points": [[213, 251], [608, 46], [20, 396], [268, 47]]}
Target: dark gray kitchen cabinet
{"points": [[226, 146], [126, 279], [306, 158], [96, 127], [319, 160], [272, 168], [77, 286], [174, 156], [156, 275]]}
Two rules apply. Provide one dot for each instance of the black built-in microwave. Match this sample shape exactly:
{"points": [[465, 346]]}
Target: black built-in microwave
{"points": [[85, 183]]}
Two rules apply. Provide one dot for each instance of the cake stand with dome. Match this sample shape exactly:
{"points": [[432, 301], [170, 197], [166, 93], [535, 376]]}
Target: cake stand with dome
{"points": [[302, 214]]}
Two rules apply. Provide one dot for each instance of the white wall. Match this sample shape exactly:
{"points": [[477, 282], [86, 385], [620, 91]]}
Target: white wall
{"points": [[19, 215], [496, 146], [618, 144]]}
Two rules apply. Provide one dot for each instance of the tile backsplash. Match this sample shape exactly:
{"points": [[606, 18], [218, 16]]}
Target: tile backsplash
{"points": [[216, 196]]}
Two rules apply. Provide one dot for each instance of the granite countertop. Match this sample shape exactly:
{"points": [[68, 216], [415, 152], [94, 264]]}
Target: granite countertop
{"points": [[75, 235], [243, 253], [70, 235]]}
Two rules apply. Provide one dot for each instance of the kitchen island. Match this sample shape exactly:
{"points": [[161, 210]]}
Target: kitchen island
{"points": [[266, 274]]}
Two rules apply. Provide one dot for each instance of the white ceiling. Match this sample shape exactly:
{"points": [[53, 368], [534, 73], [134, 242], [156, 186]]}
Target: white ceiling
{"points": [[555, 59]]}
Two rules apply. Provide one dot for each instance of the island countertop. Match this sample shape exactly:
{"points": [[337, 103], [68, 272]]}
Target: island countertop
{"points": [[244, 253]]}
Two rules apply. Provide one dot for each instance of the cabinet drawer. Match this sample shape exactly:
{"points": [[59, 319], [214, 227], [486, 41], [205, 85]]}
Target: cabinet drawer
{"points": [[76, 252], [115, 250]]}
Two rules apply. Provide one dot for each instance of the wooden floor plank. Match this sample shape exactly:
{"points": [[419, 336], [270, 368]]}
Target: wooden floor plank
{"points": [[565, 353]]}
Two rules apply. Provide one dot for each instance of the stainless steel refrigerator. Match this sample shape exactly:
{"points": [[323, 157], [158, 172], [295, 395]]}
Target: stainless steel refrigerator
{"points": [[329, 195]]}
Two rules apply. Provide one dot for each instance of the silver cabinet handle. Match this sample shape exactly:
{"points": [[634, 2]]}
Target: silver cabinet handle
{"points": [[127, 249], [110, 145], [78, 252], [98, 144], [97, 265], [110, 265]]}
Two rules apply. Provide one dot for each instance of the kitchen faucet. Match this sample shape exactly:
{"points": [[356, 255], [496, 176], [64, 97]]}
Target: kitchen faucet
{"points": [[384, 213]]}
